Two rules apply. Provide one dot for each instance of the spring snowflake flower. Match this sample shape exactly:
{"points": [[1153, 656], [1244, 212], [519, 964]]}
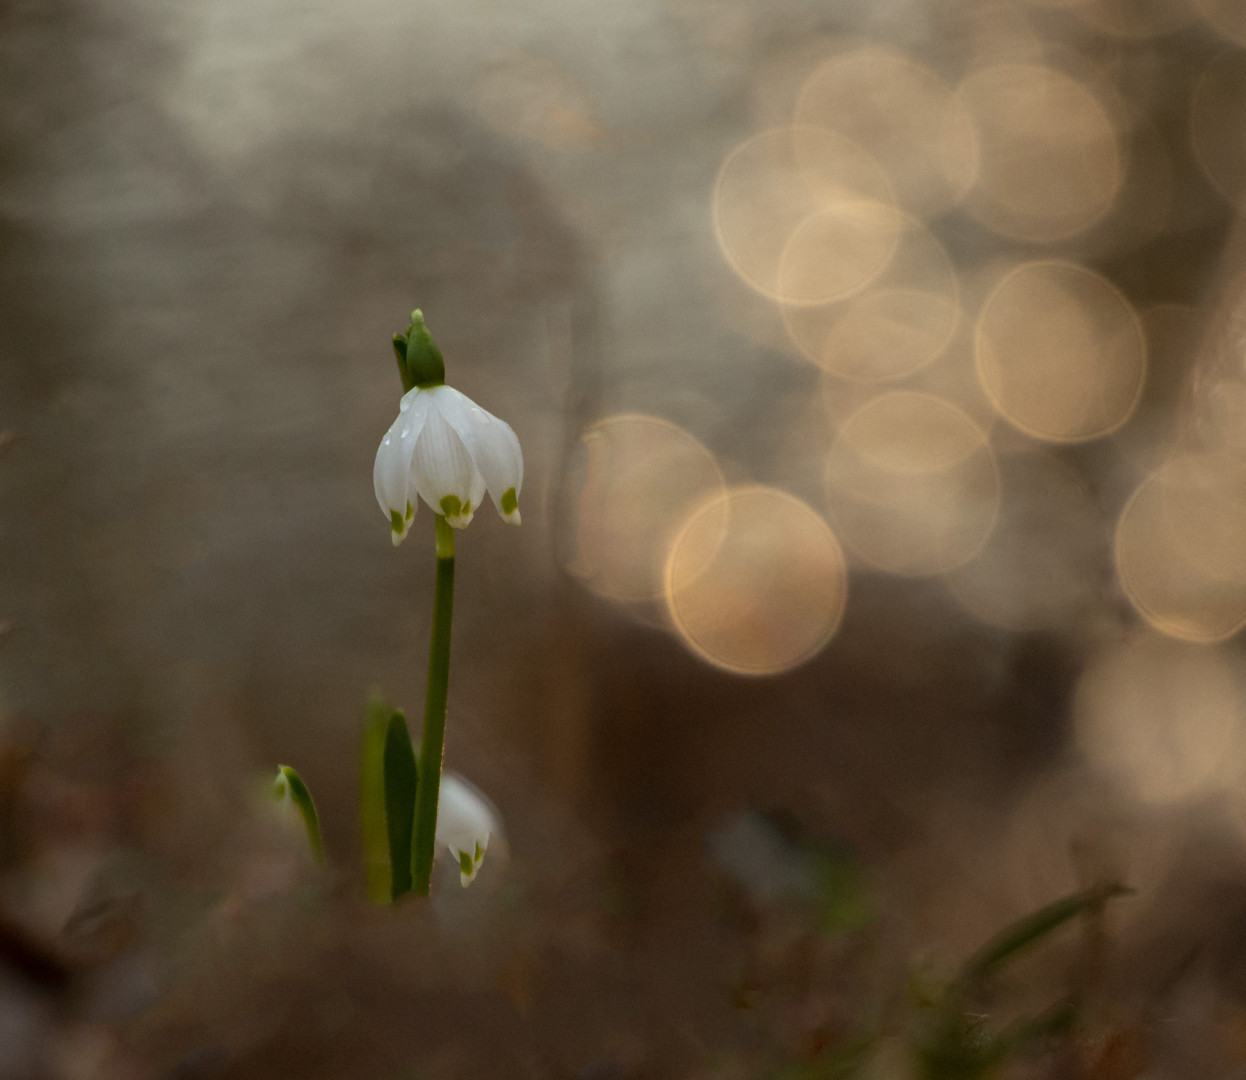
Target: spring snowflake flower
{"points": [[465, 821], [443, 448]]}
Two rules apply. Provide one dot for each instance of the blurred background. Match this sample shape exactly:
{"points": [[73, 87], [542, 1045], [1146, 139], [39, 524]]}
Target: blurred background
{"points": [[880, 370]]}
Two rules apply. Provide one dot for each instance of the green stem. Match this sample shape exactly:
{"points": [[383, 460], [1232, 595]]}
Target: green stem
{"points": [[432, 742]]}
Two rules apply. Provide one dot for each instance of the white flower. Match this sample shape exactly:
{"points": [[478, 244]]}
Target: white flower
{"points": [[465, 821], [446, 450]]}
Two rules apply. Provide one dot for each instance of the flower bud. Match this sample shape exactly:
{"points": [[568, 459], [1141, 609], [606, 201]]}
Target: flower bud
{"points": [[421, 360]]}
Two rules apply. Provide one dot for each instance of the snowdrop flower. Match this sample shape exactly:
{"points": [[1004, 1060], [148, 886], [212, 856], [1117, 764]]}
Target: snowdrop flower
{"points": [[465, 821], [443, 448]]}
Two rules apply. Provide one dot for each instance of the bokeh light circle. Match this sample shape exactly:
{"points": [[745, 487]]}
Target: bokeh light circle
{"points": [[642, 474], [1180, 548], [1050, 160], [912, 484], [1162, 717], [797, 179], [1060, 352], [837, 251], [900, 322], [755, 582], [914, 124]]}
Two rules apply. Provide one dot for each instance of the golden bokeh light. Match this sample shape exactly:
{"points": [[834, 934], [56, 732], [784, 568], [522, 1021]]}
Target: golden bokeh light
{"points": [[916, 127], [756, 581], [837, 251], [898, 324], [1162, 717], [1181, 548], [805, 210], [1218, 125], [912, 483], [642, 474], [1226, 17], [1060, 352], [1050, 161], [1206, 506], [1042, 566]]}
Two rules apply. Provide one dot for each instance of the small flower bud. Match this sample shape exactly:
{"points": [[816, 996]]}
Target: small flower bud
{"points": [[424, 364]]}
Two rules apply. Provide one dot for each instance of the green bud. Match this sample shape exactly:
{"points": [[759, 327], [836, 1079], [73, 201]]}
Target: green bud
{"points": [[289, 786], [424, 366]]}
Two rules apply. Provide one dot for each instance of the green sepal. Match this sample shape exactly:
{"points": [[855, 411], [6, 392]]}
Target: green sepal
{"points": [[424, 364], [400, 784], [400, 351], [377, 876], [290, 785]]}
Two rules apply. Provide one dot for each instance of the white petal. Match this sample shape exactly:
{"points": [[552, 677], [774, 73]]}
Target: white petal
{"points": [[493, 445], [391, 473], [442, 469], [465, 821]]}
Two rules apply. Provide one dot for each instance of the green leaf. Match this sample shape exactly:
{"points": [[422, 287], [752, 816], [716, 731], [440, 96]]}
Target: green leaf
{"points": [[400, 785], [290, 785], [1018, 937], [377, 874], [958, 1046]]}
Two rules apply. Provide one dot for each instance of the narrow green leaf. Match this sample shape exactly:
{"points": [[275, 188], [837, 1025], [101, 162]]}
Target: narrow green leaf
{"points": [[290, 785], [400, 785], [1033, 928], [372, 802]]}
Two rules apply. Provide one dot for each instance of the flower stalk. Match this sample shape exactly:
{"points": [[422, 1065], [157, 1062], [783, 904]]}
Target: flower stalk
{"points": [[432, 742], [446, 451]]}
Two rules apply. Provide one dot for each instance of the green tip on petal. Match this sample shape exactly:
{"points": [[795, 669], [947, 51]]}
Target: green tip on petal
{"points": [[396, 522], [466, 866], [452, 506], [510, 502]]}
